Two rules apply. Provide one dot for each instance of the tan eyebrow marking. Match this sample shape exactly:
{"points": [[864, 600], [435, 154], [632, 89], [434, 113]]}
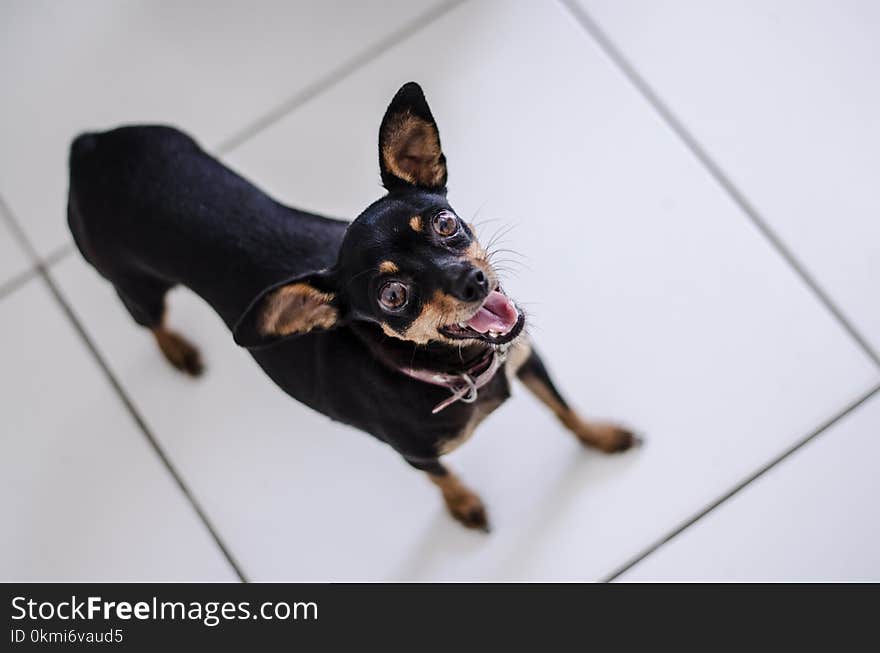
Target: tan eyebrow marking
{"points": [[388, 267], [415, 223]]}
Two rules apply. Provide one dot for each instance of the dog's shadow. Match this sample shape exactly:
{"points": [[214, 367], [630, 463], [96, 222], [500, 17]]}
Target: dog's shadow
{"points": [[425, 555], [444, 540]]}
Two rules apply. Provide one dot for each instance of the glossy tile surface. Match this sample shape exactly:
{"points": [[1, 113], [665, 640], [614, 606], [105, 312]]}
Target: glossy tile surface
{"points": [[651, 295], [781, 95], [82, 495], [814, 517], [652, 298]]}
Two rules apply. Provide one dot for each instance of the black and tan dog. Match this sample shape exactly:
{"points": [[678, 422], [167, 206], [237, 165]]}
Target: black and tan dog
{"points": [[395, 323]]}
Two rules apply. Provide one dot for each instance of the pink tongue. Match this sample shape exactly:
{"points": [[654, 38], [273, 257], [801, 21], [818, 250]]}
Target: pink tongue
{"points": [[497, 314]]}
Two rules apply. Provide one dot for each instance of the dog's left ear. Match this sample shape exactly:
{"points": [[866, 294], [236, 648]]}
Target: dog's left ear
{"points": [[290, 308], [409, 143]]}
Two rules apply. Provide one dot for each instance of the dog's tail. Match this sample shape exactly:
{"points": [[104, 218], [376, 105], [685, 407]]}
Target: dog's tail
{"points": [[82, 146]]}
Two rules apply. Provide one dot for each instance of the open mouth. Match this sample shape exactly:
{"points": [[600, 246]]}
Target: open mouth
{"points": [[497, 321]]}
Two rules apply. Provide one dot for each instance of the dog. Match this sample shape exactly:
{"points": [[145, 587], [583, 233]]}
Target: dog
{"points": [[396, 323]]}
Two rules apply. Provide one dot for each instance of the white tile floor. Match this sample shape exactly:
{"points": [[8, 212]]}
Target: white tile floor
{"points": [[691, 324]]}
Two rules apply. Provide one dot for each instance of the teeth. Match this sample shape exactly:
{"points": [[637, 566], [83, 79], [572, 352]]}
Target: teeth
{"points": [[462, 325]]}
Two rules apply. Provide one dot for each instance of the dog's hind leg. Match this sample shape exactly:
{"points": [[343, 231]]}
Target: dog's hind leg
{"points": [[606, 437], [462, 502], [179, 351], [145, 300]]}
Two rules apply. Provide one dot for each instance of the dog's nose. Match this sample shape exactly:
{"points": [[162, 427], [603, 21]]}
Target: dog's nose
{"points": [[471, 285]]}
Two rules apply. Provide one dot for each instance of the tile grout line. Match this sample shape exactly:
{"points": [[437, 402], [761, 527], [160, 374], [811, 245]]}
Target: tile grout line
{"points": [[21, 279], [17, 281], [18, 233], [139, 420], [41, 270], [350, 66], [742, 485], [734, 193], [58, 255]]}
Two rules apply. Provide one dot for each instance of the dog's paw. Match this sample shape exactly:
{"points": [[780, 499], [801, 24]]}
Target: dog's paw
{"points": [[180, 352], [469, 510], [608, 438]]}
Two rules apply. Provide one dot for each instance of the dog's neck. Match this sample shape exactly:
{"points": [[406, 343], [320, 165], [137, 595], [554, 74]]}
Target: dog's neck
{"points": [[433, 356]]}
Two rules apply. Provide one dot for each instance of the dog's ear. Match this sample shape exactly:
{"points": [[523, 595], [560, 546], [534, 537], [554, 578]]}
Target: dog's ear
{"points": [[409, 143], [290, 308]]}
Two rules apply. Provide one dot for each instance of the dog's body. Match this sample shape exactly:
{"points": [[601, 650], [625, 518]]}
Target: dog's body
{"points": [[355, 320]]}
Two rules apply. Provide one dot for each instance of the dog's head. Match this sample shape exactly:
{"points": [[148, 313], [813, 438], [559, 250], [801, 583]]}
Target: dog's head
{"points": [[408, 263]]}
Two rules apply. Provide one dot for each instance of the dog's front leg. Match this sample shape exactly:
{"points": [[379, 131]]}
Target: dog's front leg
{"points": [[604, 436], [462, 502]]}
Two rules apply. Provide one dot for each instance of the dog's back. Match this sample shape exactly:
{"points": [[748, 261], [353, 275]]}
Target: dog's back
{"points": [[149, 209]]}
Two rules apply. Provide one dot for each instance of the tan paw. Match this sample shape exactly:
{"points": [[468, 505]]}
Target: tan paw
{"points": [[469, 510], [609, 438], [179, 352]]}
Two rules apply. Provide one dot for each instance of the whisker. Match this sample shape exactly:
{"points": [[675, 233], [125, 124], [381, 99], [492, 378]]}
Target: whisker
{"points": [[479, 223], [511, 261], [479, 210], [507, 250], [498, 234]]}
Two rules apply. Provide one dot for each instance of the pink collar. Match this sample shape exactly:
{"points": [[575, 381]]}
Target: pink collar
{"points": [[463, 385]]}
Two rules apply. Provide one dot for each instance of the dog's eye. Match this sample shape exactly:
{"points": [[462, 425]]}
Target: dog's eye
{"points": [[393, 296], [445, 223]]}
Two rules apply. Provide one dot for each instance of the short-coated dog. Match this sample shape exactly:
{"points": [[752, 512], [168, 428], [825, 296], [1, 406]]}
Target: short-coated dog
{"points": [[395, 323]]}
